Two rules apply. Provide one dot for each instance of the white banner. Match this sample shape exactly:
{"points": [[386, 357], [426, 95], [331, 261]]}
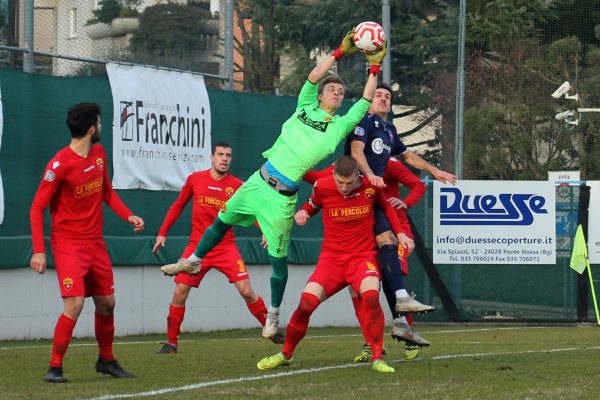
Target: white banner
{"points": [[161, 127], [494, 222], [593, 225]]}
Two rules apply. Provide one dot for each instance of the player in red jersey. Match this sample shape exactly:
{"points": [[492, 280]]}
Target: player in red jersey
{"points": [[75, 184], [210, 189], [347, 201], [396, 173]]}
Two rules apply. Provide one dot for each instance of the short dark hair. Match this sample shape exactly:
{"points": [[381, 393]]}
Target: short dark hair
{"points": [[329, 79], [386, 87], [219, 144], [81, 117], [345, 166]]}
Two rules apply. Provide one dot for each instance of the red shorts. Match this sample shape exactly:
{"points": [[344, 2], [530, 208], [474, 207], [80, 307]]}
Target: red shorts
{"points": [[83, 268], [224, 259], [334, 271], [403, 259]]}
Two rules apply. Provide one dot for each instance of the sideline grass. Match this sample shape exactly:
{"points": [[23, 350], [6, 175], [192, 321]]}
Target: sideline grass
{"points": [[464, 362]]}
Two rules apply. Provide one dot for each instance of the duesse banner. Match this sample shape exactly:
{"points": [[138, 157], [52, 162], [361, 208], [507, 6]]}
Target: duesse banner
{"points": [[494, 222]]}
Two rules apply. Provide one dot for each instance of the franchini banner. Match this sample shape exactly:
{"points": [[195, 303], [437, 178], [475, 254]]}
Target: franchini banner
{"points": [[161, 127], [494, 222]]}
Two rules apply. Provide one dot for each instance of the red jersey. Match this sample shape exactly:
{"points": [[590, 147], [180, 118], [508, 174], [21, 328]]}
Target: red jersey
{"points": [[395, 173], [348, 220], [74, 187], [209, 197]]}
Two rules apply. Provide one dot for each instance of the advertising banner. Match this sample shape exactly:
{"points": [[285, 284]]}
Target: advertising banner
{"points": [[161, 127], [593, 225], [494, 222]]}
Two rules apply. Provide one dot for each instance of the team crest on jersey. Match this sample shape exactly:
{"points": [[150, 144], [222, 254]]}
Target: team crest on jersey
{"points": [[49, 176], [371, 266], [369, 193], [68, 283], [359, 131], [100, 163], [228, 191]]}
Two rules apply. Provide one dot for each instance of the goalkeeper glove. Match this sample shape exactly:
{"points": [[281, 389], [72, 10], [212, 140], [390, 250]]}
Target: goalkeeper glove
{"points": [[347, 46], [375, 59]]}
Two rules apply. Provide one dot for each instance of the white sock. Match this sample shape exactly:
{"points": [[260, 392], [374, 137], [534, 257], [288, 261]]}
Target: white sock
{"points": [[401, 293], [194, 259], [273, 309], [402, 319]]}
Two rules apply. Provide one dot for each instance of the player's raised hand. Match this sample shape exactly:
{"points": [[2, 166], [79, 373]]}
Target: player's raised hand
{"points": [[375, 59], [38, 263], [347, 46], [160, 242], [301, 217], [137, 222]]}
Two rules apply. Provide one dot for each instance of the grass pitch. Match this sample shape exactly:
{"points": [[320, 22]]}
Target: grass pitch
{"points": [[463, 362]]}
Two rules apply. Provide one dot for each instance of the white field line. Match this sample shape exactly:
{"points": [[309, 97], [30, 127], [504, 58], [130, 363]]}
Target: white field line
{"points": [[304, 371], [7, 348]]}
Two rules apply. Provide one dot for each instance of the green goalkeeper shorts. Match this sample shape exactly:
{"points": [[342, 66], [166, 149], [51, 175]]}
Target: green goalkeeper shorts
{"points": [[255, 200]]}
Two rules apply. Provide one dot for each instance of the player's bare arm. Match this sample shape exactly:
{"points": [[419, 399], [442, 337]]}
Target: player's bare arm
{"points": [[357, 151], [414, 160]]}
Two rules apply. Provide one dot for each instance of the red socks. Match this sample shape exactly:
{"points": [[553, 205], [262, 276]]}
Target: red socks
{"points": [[409, 319], [373, 321], [298, 324], [63, 331], [105, 335], [357, 303], [259, 310], [174, 321]]}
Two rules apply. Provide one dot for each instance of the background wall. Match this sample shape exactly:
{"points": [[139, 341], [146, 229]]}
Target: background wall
{"points": [[31, 303]]}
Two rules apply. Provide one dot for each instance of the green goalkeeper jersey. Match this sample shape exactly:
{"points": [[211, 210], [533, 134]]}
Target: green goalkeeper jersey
{"points": [[311, 134]]}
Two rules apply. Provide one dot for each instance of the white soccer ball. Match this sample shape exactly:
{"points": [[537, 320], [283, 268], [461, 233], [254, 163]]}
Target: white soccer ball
{"points": [[369, 37]]}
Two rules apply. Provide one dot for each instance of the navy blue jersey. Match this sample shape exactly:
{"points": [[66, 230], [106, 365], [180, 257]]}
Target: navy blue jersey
{"points": [[380, 139]]}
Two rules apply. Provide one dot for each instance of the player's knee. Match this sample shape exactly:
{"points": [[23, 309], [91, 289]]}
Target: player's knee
{"points": [[180, 295], [247, 293], [73, 309], [308, 304], [386, 238], [105, 307]]}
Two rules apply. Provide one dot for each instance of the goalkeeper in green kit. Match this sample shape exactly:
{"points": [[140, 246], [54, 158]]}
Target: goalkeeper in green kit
{"points": [[269, 196]]}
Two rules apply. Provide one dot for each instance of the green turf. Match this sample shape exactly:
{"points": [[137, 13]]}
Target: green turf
{"points": [[463, 362]]}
